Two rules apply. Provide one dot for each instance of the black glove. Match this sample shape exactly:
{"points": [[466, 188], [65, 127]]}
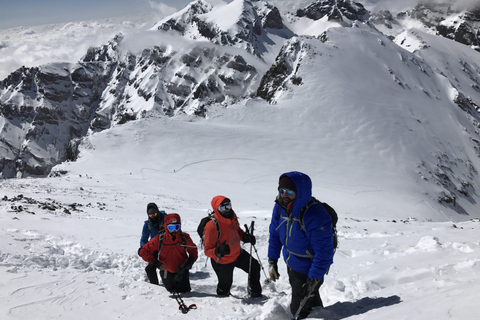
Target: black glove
{"points": [[184, 268], [189, 263], [273, 269], [249, 238], [310, 286], [157, 264], [155, 254], [139, 250], [180, 272], [223, 250]]}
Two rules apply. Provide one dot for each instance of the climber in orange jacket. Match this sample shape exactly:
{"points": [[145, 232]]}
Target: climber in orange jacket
{"points": [[223, 247]]}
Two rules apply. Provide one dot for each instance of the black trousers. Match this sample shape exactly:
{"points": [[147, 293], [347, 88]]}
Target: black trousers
{"points": [[225, 274], [151, 271], [297, 281], [172, 285]]}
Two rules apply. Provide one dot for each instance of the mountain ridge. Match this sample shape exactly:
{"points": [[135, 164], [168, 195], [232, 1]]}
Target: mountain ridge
{"points": [[213, 67]]}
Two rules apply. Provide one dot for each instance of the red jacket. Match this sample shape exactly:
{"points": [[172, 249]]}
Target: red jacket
{"points": [[229, 230], [173, 252]]}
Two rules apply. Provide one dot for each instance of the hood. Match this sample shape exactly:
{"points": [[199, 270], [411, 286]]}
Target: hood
{"points": [[153, 206], [169, 218], [216, 201], [303, 183]]}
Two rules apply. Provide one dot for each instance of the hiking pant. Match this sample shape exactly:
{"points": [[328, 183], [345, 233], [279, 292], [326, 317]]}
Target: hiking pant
{"points": [[172, 285], [151, 271], [297, 281], [225, 274]]}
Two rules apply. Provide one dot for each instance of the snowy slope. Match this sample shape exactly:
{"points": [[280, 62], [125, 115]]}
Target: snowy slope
{"points": [[84, 264]]}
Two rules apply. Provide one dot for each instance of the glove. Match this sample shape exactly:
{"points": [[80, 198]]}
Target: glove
{"points": [[158, 264], [180, 272], [184, 268], [139, 250], [249, 238], [273, 269], [189, 263], [223, 250], [310, 286]]}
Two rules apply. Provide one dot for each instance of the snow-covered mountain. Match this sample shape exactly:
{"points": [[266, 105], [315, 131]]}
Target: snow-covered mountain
{"points": [[206, 56]]}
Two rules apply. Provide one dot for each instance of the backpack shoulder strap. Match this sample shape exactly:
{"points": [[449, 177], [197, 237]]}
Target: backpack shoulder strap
{"points": [[304, 210], [161, 237], [184, 241], [215, 221]]}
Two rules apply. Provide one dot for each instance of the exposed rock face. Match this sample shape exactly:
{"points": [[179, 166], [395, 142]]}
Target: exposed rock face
{"points": [[449, 21], [335, 10], [46, 110]]}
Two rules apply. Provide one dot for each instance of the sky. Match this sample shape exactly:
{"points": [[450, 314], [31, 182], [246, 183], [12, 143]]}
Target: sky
{"points": [[367, 112], [17, 13]]}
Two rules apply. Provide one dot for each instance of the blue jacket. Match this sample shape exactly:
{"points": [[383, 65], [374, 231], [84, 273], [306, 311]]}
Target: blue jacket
{"points": [[148, 231], [310, 251]]}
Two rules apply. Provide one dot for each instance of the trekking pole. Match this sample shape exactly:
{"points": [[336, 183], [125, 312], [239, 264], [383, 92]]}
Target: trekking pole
{"points": [[251, 246], [302, 304], [267, 279], [181, 305]]}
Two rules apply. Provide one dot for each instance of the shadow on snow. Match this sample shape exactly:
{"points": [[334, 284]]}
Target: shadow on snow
{"points": [[341, 310]]}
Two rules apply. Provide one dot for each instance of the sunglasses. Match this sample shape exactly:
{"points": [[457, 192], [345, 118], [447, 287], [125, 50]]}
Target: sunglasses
{"points": [[287, 191], [152, 215], [173, 227], [225, 206]]}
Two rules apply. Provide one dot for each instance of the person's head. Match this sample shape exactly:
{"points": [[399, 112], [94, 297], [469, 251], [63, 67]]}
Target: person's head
{"points": [[287, 190], [172, 223], [223, 206], [294, 189], [153, 212]]}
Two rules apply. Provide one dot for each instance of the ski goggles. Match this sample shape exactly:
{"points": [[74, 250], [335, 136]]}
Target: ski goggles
{"points": [[287, 191], [225, 206], [152, 215], [173, 227]]}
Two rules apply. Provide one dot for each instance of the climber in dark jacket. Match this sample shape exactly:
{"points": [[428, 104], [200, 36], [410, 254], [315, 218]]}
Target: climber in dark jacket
{"points": [[151, 228]]}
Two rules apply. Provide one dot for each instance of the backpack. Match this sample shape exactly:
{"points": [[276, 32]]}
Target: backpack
{"points": [[331, 212], [203, 223]]}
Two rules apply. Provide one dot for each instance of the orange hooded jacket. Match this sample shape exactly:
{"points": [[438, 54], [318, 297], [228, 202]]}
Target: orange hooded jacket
{"points": [[173, 252], [230, 232]]}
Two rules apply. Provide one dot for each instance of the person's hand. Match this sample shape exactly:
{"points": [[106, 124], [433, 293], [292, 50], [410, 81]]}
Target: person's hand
{"points": [[249, 238], [189, 263], [138, 252], [180, 272], [223, 250], [273, 269], [158, 265], [310, 286]]}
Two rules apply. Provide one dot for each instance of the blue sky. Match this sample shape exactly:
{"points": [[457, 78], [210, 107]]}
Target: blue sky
{"points": [[15, 13]]}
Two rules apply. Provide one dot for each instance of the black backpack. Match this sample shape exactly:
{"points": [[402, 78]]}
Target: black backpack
{"points": [[203, 223], [330, 210]]}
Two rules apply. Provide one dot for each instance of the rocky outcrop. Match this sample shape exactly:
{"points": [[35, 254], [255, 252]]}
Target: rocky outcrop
{"points": [[335, 10]]}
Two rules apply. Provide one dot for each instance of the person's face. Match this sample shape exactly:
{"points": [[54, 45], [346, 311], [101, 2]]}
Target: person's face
{"points": [[286, 195], [173, 228], [224, 208]]}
